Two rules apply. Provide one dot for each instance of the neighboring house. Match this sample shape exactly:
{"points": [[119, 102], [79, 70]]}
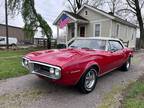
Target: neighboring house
{"points": [[15, 32], [90, 21]]}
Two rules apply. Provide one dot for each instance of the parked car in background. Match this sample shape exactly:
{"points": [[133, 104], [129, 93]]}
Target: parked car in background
{"points": [[12, 41], [81, 63]]}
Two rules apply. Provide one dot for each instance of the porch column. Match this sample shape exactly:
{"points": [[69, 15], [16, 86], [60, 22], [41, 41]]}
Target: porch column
{"points": [[75, 33], [57, 34]]}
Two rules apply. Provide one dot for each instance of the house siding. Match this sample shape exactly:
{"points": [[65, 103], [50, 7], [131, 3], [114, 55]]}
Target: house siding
{"points": [[89, 29], [126, 33], [96, 18], [92, 15], [105, 28], [108, 27]]}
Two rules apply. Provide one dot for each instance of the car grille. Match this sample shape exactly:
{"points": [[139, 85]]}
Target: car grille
{"points": [[41, 69]]}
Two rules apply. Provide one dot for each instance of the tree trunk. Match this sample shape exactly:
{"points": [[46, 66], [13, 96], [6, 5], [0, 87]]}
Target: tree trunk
{"points": [[34, 11], [142, 39], [49, 43], [140, 21]]}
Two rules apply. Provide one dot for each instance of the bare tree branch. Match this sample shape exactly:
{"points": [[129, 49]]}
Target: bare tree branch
{"points": [[72, 6], [130, 4], [128, 10], [142, 5]]}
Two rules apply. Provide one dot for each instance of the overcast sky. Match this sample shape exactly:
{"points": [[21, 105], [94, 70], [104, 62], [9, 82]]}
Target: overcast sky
{"points": [[49, 9]]}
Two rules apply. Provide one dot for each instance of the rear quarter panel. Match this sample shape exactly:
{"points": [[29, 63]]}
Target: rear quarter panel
{"points": [[129, 52]]}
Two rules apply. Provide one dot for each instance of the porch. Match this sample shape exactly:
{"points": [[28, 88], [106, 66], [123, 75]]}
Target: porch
{"points": [[75, 27]]}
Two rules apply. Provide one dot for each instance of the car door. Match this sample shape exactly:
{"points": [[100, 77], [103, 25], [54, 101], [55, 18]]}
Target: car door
{"points": [[117, 53], [106, 61]]}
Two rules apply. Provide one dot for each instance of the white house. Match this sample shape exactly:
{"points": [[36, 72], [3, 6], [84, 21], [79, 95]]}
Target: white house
{"points": [[90, 21]]}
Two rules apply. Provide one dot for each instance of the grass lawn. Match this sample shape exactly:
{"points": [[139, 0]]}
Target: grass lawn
{"points": [[134, 95], [10, 63]]}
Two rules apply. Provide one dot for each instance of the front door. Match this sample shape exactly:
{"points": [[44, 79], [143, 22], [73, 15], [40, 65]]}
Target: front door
{"points": [[118, 55], [82, 31]]}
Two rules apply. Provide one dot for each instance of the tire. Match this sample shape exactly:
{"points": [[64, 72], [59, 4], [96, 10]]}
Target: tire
{"points": [[13, 46], [88, 81], [126, 65]]}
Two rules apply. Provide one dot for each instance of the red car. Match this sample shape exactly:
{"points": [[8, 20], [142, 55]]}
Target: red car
{"points": [[81, 63]]}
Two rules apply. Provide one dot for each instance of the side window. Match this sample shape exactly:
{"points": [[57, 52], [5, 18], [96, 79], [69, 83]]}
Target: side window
{"points": [[97, 30], [2, 39], [108, 46], [115, 46], [117, 30]]}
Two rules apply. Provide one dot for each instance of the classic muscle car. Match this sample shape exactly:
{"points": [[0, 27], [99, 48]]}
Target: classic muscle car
{"points": [[81, 63]]}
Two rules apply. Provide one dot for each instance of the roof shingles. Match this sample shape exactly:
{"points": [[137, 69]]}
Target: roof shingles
{"points": [[76, 16]]}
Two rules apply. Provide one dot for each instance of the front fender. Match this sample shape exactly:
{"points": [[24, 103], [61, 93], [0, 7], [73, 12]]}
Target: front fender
{"points": [[88, 65]]}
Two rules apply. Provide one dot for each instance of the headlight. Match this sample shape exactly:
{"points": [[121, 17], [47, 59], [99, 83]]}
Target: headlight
{"points": [[57, 72], [54, 72], [25, 62]]}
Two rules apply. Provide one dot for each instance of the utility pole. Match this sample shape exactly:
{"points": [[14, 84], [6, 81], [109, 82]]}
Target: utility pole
{"points": [[6, 24]]}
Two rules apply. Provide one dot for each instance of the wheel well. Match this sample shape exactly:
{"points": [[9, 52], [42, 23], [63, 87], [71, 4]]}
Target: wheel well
{"points": [[96, 67], [92, 66], [13, 44], [130, 56]]}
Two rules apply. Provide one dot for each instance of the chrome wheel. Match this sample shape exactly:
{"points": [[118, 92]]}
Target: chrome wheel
{"points": [[90, 79], [128, 65]]}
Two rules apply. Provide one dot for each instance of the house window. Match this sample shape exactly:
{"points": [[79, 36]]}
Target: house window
{"points": [[132, 38], [86, 12], [97, 30], [117, 30]]}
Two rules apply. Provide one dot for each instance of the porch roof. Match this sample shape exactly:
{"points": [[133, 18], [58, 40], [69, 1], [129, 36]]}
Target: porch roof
{"points": [[73, 16]]}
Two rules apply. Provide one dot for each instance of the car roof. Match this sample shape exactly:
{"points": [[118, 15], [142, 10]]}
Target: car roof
{"points": [[100, 38]]}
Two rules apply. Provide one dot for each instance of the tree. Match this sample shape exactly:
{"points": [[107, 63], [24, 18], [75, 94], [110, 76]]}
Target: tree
{"points": [[135, 7], [75, 5], [111, 6], [114, 5], [32, 19]]}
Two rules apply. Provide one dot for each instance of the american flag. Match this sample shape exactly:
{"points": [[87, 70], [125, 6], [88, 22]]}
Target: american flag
{"points": [[64, 21]]}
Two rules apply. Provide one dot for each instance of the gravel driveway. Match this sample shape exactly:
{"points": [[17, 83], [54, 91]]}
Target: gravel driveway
{"points": [[31, 92]]}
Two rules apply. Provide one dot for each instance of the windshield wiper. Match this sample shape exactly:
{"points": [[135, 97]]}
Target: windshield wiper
{"points": [[73, 46]]}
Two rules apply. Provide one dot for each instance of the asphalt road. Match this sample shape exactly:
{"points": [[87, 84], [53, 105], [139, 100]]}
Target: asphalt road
{"points": [[31, 92]]}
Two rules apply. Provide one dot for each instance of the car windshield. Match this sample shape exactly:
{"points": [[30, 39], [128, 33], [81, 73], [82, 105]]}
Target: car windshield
{"points": [[88, 44]]}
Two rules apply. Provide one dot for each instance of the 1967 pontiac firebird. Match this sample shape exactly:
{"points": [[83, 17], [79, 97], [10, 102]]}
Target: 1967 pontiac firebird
{"points": [[81, 63]]}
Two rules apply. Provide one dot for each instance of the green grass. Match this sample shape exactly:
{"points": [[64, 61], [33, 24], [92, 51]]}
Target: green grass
{"points": [[10, 53], [10, 63], [134, 95]]}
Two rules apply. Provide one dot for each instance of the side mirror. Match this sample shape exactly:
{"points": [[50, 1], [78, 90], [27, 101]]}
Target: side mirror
{"points": [[61, 46], [113, 50]]}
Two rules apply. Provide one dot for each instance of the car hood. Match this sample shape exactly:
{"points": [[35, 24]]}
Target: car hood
{"points": [[58, 57]]}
